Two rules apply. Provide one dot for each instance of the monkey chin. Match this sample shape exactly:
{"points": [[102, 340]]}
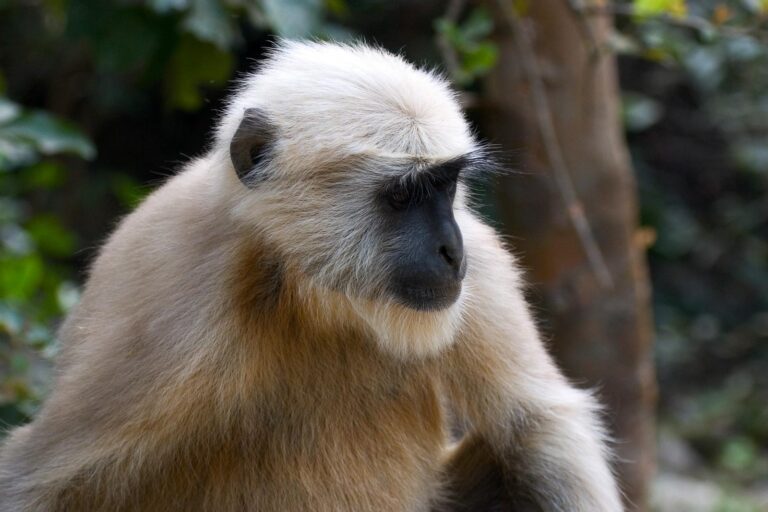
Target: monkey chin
{"points": [[428, 299], [408, 332]]}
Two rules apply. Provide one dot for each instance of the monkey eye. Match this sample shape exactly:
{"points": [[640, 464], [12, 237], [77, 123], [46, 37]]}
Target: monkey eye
{"points": [[399, 197]]}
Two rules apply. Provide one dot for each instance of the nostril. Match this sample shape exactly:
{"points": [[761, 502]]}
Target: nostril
{"points": [[447, 255]]}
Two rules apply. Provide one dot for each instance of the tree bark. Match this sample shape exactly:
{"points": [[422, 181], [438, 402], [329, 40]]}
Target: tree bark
{"points": [[600, 333]]}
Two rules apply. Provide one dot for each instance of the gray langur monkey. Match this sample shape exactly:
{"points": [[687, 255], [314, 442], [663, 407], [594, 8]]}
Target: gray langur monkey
{"points": [[281, 326]]}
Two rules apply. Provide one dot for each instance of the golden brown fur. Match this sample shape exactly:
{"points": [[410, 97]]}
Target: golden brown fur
{"points": [[210, 430]]}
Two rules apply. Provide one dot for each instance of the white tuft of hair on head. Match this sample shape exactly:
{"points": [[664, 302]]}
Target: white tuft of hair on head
{"points": [[351, 97]]}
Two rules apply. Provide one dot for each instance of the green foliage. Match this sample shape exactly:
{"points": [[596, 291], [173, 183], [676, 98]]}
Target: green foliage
{"points": [[210, 21], [703, 192], [47, 135], [735, 502], [193, 64], [470, 40], [127, 190], [301, 18], [186, 44], [25, 135], [739, 454], [34, 287], [645, 8], [639, 112]]}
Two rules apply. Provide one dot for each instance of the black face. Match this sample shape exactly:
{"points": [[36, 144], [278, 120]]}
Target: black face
{"points": [[429, 263]]}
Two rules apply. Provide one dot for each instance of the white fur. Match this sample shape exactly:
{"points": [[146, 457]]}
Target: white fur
{"points": [[350, 98]]}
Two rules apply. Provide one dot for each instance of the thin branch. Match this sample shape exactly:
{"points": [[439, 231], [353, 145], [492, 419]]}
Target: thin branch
{"points": [[451, 60], [554, 152], [576, 8]]}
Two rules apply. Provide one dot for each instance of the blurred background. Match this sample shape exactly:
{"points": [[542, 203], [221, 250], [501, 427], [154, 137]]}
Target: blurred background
{"points": [[637, 133]]}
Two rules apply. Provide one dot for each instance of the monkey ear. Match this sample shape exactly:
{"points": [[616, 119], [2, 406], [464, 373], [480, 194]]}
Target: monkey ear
{"points": [[250, 145]]}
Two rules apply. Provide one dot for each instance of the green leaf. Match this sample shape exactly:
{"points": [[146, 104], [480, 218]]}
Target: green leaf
{"points": [[738, 454], [11, 320], [51, 236], [521, 7], [48, 134], [706, 67], [751, 155], [15, 240], [209, 21], [67, 295], [19, 363], [43, 175], [479, 59], [294, 19], [744, 48], [20, 277], [756, 6], [337, 7], [450, 31], [649, 8], [55, 13], [128, 191], [640, 112], [623, 43], [15, 153], [195, 64], [8, 110], [163, 6], [121, 38], [476, 54], [10, 209], [479, 24], [38, 336]]}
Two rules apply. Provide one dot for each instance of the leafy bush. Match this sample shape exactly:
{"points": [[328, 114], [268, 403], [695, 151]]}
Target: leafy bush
{"points": [[35, 288], [696, 119]]}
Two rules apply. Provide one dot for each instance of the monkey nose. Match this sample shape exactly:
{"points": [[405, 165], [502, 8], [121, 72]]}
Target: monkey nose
{"points": [[453, 255]]}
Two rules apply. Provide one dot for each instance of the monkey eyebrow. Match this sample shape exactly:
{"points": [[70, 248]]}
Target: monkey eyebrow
{"points": [[475, 164], [421, 180]]}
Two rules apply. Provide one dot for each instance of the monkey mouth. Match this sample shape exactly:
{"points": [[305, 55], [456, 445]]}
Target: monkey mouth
{"points": [[428, 298]]}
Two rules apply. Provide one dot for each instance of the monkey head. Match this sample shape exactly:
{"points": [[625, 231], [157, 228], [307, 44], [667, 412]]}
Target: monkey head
{"points": [[352, 164]]}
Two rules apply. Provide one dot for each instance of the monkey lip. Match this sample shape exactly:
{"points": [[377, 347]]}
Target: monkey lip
{"points": [[429, 298]]}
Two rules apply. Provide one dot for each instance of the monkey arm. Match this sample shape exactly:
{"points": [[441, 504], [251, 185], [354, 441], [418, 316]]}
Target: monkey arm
{"points": [[544, 432]]}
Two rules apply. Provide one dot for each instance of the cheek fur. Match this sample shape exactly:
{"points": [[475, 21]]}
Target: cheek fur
{"points": [[406, 333]]}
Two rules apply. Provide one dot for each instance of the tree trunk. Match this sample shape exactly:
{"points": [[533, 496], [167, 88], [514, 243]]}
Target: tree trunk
{"points": [[600, 332]]}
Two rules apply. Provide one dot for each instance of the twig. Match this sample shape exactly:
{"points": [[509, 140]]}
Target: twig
{"points": [[452, 13], [576, 8], [553, 149]]}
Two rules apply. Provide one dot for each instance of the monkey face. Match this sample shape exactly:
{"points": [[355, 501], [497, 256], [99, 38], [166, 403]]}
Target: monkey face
{"points": [[426, 258], [374, 227]]}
